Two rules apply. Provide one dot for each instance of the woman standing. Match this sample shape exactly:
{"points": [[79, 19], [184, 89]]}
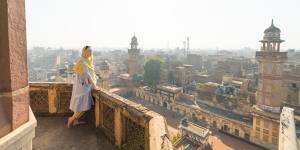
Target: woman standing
{"points": [[85, 80]]}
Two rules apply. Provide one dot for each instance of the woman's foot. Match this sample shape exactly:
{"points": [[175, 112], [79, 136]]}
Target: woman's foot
{"points": [[70, 122], [77, 122]]}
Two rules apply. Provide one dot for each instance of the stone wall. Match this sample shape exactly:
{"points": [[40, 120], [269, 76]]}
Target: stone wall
{"points": [[126, 124]]}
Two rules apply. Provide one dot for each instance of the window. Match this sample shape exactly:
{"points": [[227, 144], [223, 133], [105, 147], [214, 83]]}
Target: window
{"points": [[265, 135], [247, 136], [274, 138], [294, 85], [236, 132], [214, 124], [266, 131], [203, 118], [257, 122], [257, 133]]}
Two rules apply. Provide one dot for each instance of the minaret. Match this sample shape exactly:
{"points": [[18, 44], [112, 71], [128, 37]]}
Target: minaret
{"points": [[270, 90], [104, 75], [269, 94], [134, 54]]}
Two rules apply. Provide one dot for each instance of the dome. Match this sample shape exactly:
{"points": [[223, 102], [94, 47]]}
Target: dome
{"points": [[272, 29], [134, 40]]}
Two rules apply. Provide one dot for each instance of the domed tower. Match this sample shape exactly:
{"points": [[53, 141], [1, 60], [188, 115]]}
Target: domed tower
{"points": [[134, 56], [271, 40], [134, 42], [104, 75], [270, 60], [270, 92]]}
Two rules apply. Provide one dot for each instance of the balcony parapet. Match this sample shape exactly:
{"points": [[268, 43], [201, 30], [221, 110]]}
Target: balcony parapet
{"points": [[126, 124], [47, 98], [276, 56]]}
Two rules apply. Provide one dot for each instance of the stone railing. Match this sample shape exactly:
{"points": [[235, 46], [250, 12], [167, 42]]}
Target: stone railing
{"points": [[50, 98], [126, 124]]}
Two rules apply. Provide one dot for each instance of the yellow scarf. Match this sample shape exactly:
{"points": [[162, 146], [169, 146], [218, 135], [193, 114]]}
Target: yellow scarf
{"points": [[85, 64]]}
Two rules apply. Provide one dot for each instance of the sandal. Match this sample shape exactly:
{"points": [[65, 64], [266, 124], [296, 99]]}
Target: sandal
{"points": [[76, 122]]}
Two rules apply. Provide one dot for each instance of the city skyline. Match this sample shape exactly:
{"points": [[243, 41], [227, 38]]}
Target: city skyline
{"points": [[159, 24]]}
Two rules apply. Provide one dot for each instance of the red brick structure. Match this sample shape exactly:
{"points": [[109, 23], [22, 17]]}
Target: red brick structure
{"points": [[14, 98]]}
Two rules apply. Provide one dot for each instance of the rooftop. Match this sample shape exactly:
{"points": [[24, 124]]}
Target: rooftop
{"points": [[186, 143], [169, 88], [226, 113], [196, 129], [217, 111]]}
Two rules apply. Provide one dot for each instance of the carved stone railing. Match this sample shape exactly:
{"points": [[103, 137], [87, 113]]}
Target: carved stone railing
{"points": [[126, 124], [50, 98]]}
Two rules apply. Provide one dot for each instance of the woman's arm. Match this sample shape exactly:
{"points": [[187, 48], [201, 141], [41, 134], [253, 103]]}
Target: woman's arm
{"points": [[88, 80]]}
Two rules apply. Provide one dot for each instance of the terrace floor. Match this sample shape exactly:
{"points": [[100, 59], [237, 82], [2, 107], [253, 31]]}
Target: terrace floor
{"points": [[52, 134]]}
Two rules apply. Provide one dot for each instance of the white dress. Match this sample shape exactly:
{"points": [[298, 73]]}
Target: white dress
{"points": [[81, 94]]}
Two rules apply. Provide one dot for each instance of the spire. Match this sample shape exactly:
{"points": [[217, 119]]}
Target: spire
{"points": [[272, 28]]}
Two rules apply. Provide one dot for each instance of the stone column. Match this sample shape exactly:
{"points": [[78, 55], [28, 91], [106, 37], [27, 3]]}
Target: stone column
{"points": [[14, 96], [118, 127], [98, 113]]}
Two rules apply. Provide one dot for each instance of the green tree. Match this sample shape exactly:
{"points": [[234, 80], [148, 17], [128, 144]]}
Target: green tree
{"points": [[137, 77], [152, 70]]}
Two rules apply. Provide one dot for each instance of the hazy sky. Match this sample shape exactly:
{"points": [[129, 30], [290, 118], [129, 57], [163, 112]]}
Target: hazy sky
{"points": [[229, 24]]}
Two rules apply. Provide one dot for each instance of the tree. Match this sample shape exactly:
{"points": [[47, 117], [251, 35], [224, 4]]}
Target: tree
{"points": [[152, 70], [137, 77]]}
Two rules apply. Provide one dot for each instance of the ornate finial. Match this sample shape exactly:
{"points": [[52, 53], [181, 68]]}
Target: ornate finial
{"points": [[272, 24]]}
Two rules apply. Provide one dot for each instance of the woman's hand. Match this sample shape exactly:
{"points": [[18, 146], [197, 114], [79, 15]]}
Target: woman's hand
{"points": [[96, 88]]}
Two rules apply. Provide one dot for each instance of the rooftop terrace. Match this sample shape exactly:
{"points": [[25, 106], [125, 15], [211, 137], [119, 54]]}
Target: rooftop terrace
{"points": [[115, 123]]}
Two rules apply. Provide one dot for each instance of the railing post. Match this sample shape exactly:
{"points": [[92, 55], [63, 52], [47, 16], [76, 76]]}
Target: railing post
{"points": [[98, 112], [118, 127], [52, 100]]}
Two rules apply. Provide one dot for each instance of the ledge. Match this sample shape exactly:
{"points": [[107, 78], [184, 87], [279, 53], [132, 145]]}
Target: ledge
{"points": [[20, 138]]}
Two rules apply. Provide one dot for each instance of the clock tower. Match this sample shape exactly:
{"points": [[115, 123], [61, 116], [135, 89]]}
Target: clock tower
{"points": [[134, 56]]}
